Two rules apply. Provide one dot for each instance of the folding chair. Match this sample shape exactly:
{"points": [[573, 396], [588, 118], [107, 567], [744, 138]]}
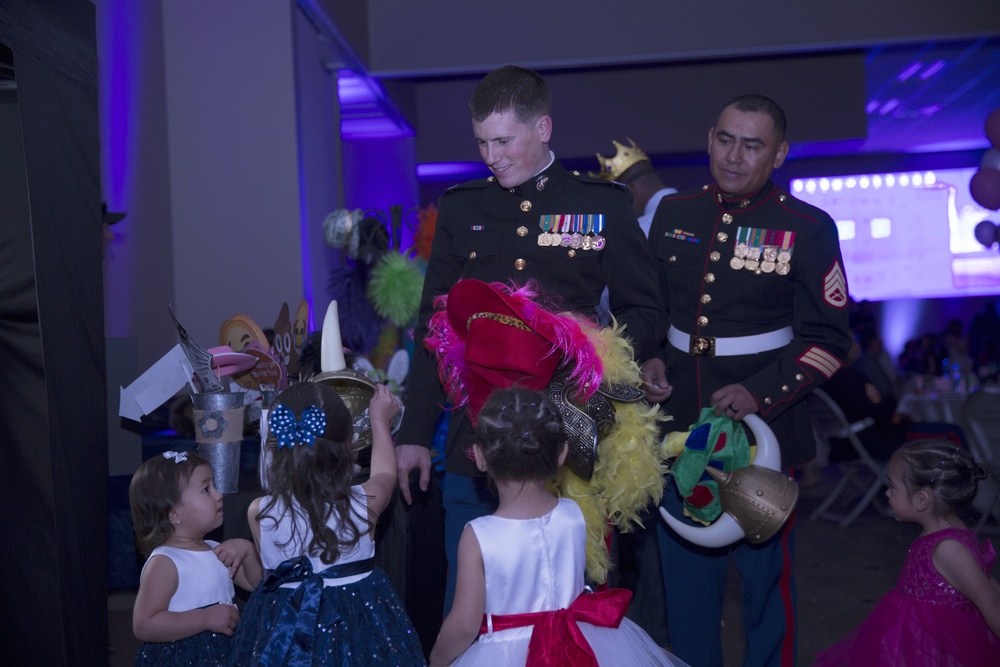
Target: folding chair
{"points": [[830, 422], [982, 420]]}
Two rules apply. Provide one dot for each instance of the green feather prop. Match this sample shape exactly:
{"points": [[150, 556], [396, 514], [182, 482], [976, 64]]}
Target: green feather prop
{"points": [[394, 288]]}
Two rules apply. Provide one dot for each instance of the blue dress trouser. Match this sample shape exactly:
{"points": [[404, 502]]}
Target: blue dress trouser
{"points": [[464, 499], [694, 580]]}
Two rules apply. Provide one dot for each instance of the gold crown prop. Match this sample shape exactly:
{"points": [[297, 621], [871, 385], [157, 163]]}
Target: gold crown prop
{"points": [[627, 156]]}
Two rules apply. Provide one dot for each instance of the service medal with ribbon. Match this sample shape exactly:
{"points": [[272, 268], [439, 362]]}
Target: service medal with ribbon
{"points": [[545, 223], [567, 231], [786, 242], [740, 250], [754, 250], [595, 225]]}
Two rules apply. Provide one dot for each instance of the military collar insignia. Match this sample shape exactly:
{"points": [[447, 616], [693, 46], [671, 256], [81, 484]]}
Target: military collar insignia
{"points": [[743, 202]]}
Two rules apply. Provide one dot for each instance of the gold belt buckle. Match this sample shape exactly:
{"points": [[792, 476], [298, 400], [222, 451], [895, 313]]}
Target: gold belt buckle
{"points": [[703, 346]]}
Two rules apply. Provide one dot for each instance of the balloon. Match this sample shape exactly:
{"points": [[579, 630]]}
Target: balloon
{"points": [[987, 233], [985, 188], [991, 159], [993, 127]]}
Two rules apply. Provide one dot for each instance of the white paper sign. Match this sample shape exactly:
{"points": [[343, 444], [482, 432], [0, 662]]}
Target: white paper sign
{"points": [[157, 385]]}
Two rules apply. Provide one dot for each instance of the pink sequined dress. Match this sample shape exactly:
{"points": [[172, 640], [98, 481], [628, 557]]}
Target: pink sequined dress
{"points": [[923, 620]]}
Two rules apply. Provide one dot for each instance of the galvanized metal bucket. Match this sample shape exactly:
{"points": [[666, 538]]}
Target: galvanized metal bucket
{"points": [[218, 430]]}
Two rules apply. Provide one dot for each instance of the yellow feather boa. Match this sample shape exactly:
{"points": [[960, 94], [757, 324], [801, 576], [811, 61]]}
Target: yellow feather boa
{"points": [[628, 473]]}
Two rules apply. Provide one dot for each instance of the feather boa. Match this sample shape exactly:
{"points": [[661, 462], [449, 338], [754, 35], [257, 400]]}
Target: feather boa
{"points": [[628, 473], [425, 232], [394, 288]]}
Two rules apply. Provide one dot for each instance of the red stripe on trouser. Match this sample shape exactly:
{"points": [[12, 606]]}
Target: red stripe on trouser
{"points": [[787, 603]]}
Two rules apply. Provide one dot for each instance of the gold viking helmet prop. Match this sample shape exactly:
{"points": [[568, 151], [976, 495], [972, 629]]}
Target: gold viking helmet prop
{"points": [[626, 157], [756, 500], [354, 388]]}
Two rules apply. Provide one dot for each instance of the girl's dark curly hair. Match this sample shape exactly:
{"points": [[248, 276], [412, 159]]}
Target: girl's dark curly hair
{"points": [[521, 435], [950, 472], [313, 482], [152, 494]]}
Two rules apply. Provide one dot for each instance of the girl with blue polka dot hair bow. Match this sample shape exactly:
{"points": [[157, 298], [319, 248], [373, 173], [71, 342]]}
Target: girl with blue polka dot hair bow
{"points": [[322, 599]]}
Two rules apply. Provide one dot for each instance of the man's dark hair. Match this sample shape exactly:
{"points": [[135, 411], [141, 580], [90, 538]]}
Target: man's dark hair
{"points": [[511, 88], [754, 103]]}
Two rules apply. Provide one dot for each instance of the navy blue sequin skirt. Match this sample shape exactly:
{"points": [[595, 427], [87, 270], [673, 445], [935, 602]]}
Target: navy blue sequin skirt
{"points": [[363, 623], [205, 649]]}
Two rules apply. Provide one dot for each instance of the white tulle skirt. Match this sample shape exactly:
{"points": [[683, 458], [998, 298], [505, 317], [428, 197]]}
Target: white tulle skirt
{"points": [[628, 644]]}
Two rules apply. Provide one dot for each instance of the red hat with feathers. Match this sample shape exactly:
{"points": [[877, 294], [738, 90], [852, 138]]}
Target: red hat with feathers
{"points": [[489, 336]]}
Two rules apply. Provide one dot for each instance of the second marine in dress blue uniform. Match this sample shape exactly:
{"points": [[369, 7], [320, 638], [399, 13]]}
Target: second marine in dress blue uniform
{"points": [[766, 265], [755, 293]]}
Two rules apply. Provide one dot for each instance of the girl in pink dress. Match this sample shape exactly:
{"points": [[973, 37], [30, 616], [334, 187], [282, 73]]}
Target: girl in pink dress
{"points": [[520, 596], [945, 608]]}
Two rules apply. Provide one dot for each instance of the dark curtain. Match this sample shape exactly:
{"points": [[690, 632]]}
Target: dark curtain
{"points": [[53, 414]]}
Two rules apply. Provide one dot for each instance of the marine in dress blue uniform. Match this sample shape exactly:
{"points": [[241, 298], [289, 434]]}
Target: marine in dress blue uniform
{"points": [[756, 296], [491, 233], [531, 220]]}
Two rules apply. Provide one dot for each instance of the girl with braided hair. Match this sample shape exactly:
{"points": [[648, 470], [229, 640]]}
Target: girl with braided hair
{"points": [[945, 608], [520, 596]]}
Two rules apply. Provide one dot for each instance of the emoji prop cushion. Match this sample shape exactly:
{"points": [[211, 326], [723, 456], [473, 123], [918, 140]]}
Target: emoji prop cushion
{"points": [[284, 341], [242, 334], [239, 330], [300, 330]]}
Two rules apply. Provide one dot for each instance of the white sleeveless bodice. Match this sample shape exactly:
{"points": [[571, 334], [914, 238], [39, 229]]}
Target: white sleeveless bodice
{"points": [[274, 534], [202, 579], [533, 564], [538, 565]]}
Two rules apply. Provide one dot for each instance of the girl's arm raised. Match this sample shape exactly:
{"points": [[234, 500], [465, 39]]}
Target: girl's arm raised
{"points": [[959, 567], [461, 627], [151, 622], [382, 482]]}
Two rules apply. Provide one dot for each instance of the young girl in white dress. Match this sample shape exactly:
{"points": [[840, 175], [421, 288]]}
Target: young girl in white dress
{"points": [[184, 613], [520, 591], [324, 601]]}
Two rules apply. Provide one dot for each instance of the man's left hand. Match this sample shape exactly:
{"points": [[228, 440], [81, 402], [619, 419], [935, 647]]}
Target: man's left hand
{"points": [[734, 401]]}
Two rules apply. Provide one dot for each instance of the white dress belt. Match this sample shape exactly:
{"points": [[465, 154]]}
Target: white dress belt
{"points": [[729, 346]]}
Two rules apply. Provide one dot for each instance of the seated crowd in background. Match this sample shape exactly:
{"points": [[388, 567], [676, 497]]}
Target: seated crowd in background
{"points": [[975, 353], [872, 385]]}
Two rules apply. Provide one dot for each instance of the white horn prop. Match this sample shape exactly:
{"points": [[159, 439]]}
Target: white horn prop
{"points": [[725, 530], [331, 353], [768, 453]]}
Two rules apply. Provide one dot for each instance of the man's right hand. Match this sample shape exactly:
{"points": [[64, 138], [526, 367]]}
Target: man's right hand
{"points": [[409, 457], [654, 380]]}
